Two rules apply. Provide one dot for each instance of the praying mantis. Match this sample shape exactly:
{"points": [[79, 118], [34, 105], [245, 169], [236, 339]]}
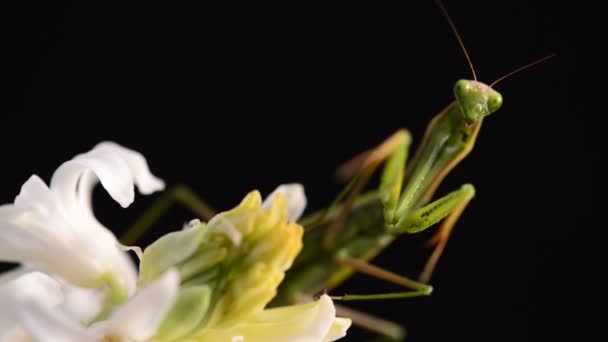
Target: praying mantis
{"points": [[357, 226]]}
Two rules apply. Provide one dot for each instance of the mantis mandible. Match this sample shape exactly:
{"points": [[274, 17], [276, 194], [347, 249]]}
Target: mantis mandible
{"points": [[344, 238]]}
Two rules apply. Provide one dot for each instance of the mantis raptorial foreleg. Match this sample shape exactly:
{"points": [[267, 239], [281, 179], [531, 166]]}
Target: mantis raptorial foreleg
{"points": [[422, 218], [440, 239], [449, 207], [180, 194]]}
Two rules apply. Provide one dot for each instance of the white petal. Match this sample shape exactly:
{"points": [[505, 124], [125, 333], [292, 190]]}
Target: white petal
{"points": [[47, 324], [140, 317], [294, 196], [81, 304], [29, 309], [29, 286], [13, 274], [338, 329], [112, 171], [87, 182], [127, 270], [18, 288], [82, 258], [309, 322], [34, 193], [38, 203], [17, 245], [146, 182]]}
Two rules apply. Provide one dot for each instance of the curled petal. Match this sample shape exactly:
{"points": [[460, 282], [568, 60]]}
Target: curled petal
{"points": [[146, 182], [112, 171]]}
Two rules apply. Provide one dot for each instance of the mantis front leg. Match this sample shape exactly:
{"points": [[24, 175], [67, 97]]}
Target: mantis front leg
{"points": [[440, 239], [449, 207]]}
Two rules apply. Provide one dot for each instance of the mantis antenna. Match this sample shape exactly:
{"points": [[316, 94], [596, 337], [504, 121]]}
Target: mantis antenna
{"points": [[444, 11], [527, 66]]}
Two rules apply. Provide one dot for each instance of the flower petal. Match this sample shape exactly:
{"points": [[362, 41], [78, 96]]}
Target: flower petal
{"points": [[311, 322], [146, 182], [17, 245], [112, 171], [294, 196], [338, 329], [47, 324], [13, 274], [29, 304], [21, 287], [81, 304], [35, 194], [140, 317]]}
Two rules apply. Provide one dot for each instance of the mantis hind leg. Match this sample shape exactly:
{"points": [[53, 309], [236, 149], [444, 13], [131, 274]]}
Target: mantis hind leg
{"points": [[180, 194], [389, 331], [417, 289]]}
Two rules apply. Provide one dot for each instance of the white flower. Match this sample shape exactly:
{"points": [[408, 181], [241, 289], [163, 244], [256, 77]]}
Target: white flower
{"points": [[32, 310], [53, 229]]}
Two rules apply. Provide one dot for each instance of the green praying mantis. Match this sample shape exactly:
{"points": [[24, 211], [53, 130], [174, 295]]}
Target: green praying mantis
{"points": [[343, 239]]}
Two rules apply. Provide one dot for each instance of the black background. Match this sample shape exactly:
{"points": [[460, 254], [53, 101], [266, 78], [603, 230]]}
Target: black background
{"points": [[239, 97]]}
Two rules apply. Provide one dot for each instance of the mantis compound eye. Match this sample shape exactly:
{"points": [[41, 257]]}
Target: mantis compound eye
{"points": [[494, 102]]}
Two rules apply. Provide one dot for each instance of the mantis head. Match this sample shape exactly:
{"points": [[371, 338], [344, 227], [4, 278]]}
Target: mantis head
{"points": [[476, 100]]}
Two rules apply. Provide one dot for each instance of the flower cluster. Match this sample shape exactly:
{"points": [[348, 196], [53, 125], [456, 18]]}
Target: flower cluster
{"points": [[208, 282]]}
